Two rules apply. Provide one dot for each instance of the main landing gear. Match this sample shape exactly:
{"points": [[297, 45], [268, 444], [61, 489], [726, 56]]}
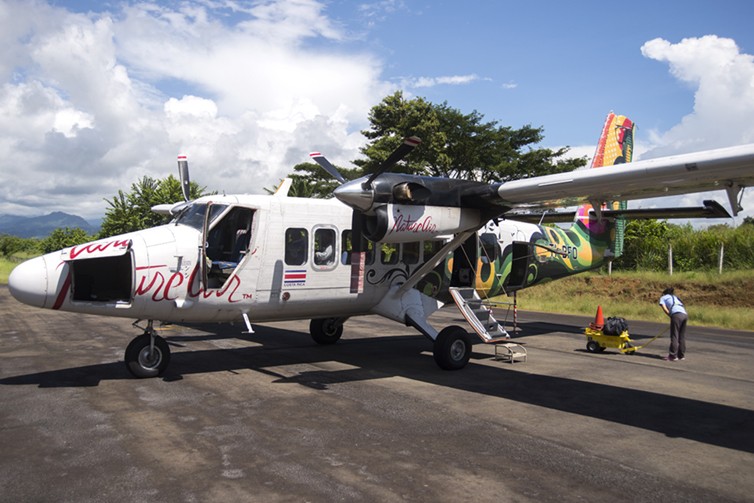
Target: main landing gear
{"points": [[148, 355], [451, 350], [326, 330]]}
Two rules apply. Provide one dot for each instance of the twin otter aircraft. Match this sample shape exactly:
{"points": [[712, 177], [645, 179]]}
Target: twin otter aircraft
{"points": [[391, 244]]}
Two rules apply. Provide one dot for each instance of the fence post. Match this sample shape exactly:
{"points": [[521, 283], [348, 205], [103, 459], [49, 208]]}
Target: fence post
{"points": [[670, 259], [722, 251]]}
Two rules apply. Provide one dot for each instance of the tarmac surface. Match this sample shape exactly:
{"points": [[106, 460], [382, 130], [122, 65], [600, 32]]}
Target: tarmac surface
{"points": [[271, 416]]}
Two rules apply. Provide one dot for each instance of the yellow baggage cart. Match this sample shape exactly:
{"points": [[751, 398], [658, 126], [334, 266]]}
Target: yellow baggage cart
{"points": [[597, 341]]}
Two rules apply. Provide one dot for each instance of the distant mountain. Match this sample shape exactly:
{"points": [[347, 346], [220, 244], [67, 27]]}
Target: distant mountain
{"points": [[41, 227]]}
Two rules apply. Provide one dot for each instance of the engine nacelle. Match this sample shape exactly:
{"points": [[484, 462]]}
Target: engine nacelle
{"points": [[400, 223]]}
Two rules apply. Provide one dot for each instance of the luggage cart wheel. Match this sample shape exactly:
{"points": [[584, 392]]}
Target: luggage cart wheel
{"points": [[593, 347]]}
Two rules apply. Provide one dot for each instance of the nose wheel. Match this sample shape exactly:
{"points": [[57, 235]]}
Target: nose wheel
{"points": [[148, 355]]}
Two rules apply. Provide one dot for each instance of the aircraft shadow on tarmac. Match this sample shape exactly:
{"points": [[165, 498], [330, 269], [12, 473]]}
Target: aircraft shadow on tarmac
{"points": [[410, 357]]}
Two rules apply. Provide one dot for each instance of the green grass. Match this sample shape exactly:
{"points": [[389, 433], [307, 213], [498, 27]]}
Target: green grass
{"points": [[6, 266], [711, 299]]}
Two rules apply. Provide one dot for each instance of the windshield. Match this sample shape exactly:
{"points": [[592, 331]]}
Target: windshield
{"points": [[193, 215]]}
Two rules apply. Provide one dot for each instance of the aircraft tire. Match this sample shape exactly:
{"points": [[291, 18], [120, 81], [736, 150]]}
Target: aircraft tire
{"points": [[452, 348], [325, 330], [138, 361]]}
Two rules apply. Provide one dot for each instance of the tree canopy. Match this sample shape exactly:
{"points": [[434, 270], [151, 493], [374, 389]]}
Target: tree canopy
{"points": [[63, 238], [454, 145], [457, 145], [132, 211], [310, 180]]}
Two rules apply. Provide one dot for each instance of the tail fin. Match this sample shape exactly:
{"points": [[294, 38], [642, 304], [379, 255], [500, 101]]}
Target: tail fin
{"points": [[616, 146]]}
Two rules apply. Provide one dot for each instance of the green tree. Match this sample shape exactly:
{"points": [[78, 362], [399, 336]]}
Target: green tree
{"points": [[310, 180], [457, 145], [10, 245], [132, 211], [645, 245], [63, 238], [647, 241]]}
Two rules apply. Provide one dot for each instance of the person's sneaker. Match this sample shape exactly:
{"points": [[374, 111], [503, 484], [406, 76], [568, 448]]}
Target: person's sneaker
{"points": [[670, 358], [682, 358]]}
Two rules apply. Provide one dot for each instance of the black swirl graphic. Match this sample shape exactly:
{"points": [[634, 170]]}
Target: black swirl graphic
{"points": [[389, 276]]}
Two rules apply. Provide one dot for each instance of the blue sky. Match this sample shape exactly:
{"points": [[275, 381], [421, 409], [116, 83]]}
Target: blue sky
{"points": [[95, 95]]}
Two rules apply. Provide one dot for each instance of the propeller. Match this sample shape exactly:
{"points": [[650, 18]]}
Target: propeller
{"points": [[183, 174], [327, 166], [173, 209], [360, 197], [408, 145]]}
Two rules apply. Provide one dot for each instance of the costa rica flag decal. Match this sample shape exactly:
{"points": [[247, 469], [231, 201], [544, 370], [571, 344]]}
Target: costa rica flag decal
{"points": [[294, 277]]}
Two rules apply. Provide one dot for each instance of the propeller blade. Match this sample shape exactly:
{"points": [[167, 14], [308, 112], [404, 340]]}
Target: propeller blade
{"points": [[327, 166], [408, 145], [183, 174]]}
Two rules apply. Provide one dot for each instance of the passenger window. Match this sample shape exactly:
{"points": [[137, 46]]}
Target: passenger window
{"points": [[431, 248], [296, 246], [345, 245], [411, 252], [389, 253], [347, 248], [324, 247], [490, 247]]}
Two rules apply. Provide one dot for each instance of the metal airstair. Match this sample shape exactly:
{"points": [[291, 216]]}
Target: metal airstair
{"points": [[478, 314]]}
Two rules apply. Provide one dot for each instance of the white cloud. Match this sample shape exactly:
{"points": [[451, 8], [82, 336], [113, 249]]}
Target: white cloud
{"points": [[378, 10], [723, 79], [724, 98], [69, 121], [449, 80], [91, 103]]}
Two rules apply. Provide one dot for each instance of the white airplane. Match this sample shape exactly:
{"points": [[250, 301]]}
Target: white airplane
{"points": [[391, 244]]}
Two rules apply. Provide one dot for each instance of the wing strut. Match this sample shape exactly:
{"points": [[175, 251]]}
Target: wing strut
{"points": [[439, 257]]}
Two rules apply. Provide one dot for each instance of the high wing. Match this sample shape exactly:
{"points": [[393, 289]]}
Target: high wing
{"points": [[730, 169], [709, 209]]}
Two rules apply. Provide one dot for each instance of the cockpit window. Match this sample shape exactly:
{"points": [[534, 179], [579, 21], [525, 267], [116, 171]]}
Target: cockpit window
{"points": [[193, 215]]}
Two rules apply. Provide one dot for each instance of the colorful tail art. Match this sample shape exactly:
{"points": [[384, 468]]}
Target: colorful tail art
{"points": [[530, 254], [616, 146]]}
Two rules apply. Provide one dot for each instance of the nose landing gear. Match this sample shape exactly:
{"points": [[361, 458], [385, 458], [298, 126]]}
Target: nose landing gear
{"points": [[148, 355]]}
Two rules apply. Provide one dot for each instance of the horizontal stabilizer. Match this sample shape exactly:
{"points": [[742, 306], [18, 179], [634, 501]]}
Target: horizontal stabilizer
{"points": [[711, 209]]}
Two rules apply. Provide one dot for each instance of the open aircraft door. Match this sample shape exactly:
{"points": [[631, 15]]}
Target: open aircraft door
{"points": [[203, 246], [464, 263], [226, 240], [522, 257]]}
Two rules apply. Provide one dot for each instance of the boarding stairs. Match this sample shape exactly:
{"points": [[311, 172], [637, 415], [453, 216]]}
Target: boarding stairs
{"points": [[478, 314]]}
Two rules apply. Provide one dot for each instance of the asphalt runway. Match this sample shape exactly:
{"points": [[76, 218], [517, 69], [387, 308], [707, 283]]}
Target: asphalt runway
{"points": [[271, 416]]}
